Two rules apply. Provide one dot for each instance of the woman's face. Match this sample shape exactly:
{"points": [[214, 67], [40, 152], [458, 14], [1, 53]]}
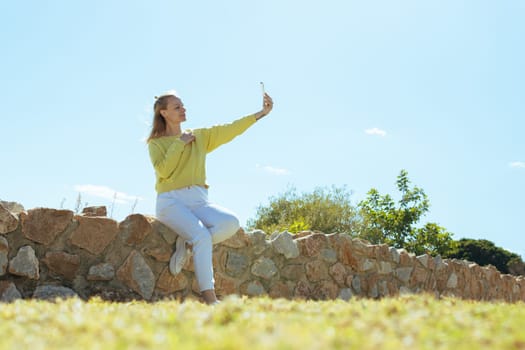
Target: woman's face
{"points": [[175, 111]]}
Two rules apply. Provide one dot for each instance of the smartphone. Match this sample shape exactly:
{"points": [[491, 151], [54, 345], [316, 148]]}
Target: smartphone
{"points": [[262, 88]]}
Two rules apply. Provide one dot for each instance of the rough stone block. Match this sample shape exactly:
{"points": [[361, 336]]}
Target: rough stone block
{"points": [[438, 263], [137, 275], [382, 252], [236, 264], [52, 292], [101, 272], [348, 280], [25, 263], [224, 285], [385, 268], [8, 292], [258, 241], [280, 290], [373, 291], [99, 210], [491, 274], [8, 221], [253, 288], [302, 290], [403, 273], [325, 291], [294, 272], [195, 286], [383, 288], [164, 231], [419, 276], [452, 281], [168, 284], [316, 270], [475, 288], [356, 284], [345, 294], [395, 255], [94, 234], [43, 225], [347, 255], [366, 265], [311, 245], [286, 245], [405, 258], [159, 253], [4, 251], [134, 229], [219, 257], [338, 273], [363, 247], [329, 255], [4, 244], [264, 268], [62, 263], [13, 207], [423, 259]]}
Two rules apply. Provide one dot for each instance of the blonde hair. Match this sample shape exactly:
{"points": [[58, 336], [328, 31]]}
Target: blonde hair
{"points": [[158, 128]]}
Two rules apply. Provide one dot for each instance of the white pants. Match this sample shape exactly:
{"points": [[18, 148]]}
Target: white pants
{"points": [[188, 212]]}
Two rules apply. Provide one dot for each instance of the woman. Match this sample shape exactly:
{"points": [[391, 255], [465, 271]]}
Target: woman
{"points": [[179, 159]]}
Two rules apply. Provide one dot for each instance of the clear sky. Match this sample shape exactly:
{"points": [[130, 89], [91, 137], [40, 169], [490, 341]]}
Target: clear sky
{"points": [[362, 89]]}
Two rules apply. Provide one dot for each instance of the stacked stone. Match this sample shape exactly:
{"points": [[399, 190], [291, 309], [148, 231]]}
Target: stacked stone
{"points": [[48, 253], [54, 253], [318, 266]]}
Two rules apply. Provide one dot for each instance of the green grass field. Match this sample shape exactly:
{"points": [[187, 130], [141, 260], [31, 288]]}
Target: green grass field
{"points": [[411, 322]]}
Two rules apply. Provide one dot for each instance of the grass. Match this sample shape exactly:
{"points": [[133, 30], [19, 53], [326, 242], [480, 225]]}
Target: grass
{"points": [[410, 322]]}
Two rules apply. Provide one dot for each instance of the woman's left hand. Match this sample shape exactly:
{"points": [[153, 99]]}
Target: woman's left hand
{"points": [[267, 106]]}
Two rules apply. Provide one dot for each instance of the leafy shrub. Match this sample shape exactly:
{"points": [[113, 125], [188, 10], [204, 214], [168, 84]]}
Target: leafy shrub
{"points": [[484, 252], [376, 219], [325, 209]]}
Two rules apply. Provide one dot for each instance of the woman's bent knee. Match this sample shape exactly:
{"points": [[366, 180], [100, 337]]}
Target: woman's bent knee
{"points": [[233, 225], [225, 229]]}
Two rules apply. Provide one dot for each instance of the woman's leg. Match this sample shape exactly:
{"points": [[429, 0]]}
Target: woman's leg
{"points": [[207, 223], [221, 222], [173, 213]]}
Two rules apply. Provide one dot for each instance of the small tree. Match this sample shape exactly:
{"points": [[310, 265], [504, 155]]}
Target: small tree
{"points": [[432, 239], [325, 209], [383, 222]]}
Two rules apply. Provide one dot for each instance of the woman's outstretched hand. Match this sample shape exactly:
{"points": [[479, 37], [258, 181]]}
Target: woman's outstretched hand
{"points": [[267, 107]]}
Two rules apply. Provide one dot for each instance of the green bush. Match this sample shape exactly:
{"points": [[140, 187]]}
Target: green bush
{"points": [[377, 219], [325, 209], [484, 252]]}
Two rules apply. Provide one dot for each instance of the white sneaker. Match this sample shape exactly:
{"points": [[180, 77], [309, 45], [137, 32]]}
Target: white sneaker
{"points": [[179, 258]]}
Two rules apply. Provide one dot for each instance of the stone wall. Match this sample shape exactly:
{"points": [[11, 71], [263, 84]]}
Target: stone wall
{"points": [[48, 252]]}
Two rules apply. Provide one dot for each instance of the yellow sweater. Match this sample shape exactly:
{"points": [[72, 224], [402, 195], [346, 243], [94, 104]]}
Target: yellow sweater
{"points": [[178, 165]]}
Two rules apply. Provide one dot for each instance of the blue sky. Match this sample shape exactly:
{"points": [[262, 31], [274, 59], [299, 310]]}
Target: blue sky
{"points": [[362, 89]]}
